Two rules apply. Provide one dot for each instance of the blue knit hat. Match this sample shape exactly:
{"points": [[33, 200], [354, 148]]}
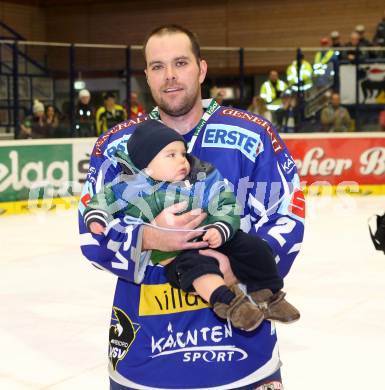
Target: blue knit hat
{"points": [[148, 139]]}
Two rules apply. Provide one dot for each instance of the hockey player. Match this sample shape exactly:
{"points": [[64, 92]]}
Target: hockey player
{"points": [[157, 158], [161, 338]]}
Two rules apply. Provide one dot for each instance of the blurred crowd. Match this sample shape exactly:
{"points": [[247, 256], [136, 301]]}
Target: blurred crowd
{"points": [[90, 121], [278, 103], [277, 100]]}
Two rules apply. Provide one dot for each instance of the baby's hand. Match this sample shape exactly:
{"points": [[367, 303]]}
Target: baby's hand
{"points": [[97, 228], [213, 237]]}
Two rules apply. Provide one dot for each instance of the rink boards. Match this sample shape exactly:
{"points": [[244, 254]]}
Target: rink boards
{"points": [[38, 175]]}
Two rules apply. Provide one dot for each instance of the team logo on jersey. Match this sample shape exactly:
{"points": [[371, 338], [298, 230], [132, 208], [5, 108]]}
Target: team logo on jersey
{"points": [[288, 165], [116, 129], [205, 345], [85, 199], [233, 137], [122, 335], [275, 141], [293, 201], [118, 145], [297, 204]]}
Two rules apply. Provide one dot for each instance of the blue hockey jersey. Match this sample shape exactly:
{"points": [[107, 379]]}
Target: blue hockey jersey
{"points": [[161, 337]]}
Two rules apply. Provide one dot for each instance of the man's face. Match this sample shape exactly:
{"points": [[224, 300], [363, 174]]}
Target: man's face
{"points": [[355, 39], [335, 40], [50, 111], [173, 74], [85, 99], [273, 76], [134, 99], [110, 103], [335, 100]]}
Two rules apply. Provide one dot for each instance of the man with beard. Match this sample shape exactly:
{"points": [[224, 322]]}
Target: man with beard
{"points": [[179, 343]]}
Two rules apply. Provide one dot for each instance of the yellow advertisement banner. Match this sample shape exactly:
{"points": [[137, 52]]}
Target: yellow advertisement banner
{"points": [[38, 205]]}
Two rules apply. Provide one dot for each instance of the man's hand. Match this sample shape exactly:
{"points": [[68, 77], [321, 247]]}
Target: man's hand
{"points": [[168, 241], [213, 237], [224, 265]]}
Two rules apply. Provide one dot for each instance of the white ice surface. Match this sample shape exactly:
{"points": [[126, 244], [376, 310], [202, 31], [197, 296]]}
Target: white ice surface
{"points": [[55, 307]]}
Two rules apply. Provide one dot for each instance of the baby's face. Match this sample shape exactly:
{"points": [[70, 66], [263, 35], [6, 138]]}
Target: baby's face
{"points": [[170, 164]]}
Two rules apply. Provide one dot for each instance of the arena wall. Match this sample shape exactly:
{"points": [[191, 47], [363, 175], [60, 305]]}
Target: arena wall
{"points": [[38, 175]]}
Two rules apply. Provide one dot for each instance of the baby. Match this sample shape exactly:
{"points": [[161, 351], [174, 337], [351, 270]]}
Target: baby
{"points": [[157, 170]]}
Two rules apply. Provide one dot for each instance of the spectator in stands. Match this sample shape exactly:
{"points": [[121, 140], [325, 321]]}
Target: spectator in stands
{"points": [[382, 120], [335, 44], [136, 108], [52, 118], [219, 97], [334, 117], [218, 94], [323, 57], [84, 115], [360, 29], [335, 39], [379, 36], [351, 54], [35, 126], [305, 73], [258, 106], [288, 117], [271, 91], [110, 114]]}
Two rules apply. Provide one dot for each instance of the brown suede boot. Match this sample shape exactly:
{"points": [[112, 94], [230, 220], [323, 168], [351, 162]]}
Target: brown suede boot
{"points": [[242, 313], [274, 306]]}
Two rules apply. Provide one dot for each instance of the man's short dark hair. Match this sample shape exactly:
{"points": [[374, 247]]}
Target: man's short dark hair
{"points": [[172, 29], [109, 95]]}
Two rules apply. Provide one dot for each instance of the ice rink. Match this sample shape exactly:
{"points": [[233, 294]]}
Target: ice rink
{"points": [[55, 307]]}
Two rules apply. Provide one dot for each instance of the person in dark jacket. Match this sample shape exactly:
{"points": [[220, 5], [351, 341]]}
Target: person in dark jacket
{"points": [[157, 172], [35, 125], [288, 117], [85, 115], [379, 36]]}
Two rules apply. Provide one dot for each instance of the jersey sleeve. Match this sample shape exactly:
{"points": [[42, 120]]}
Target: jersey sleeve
{"points": [[223, 209], [119, 249], [102, 207], [276, 204]]}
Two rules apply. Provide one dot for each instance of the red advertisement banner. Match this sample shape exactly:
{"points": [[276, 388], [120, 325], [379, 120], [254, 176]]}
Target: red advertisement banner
{"points": [[336, 159]]}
